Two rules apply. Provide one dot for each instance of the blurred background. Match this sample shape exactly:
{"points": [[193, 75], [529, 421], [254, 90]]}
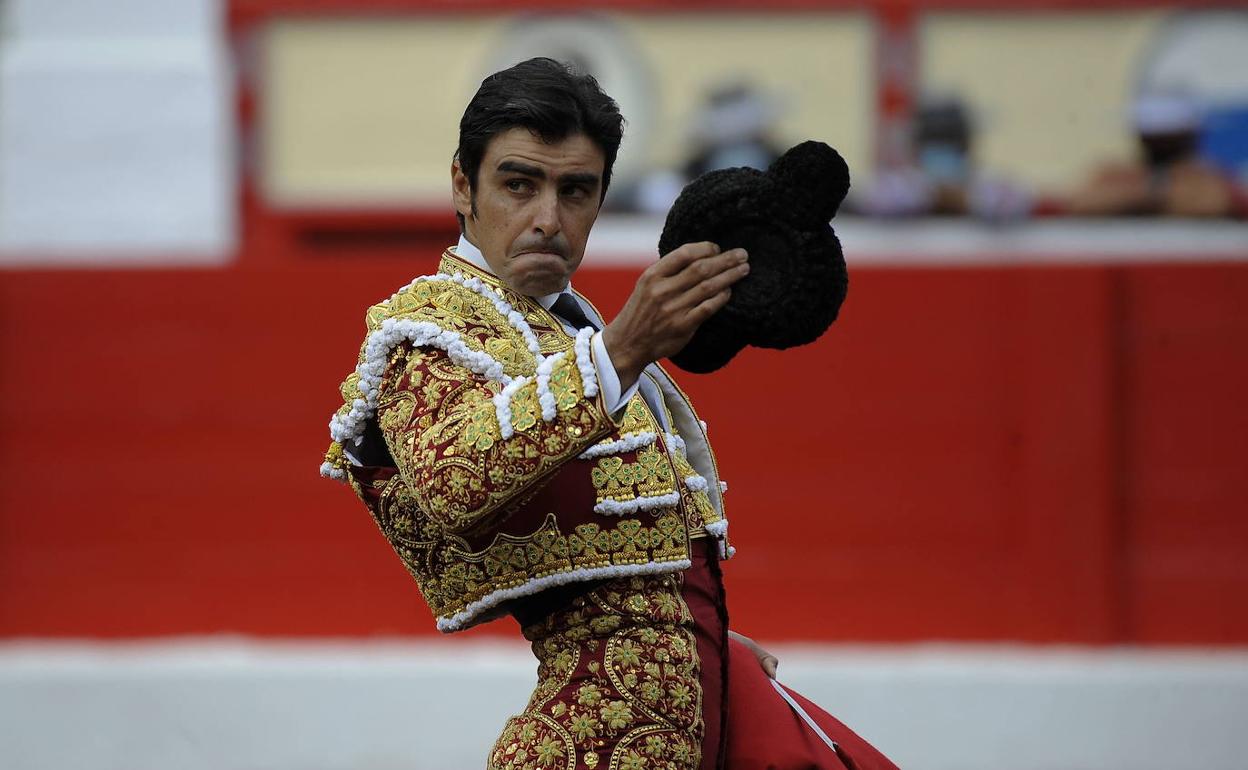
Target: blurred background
{"points": [[1017, 533]]}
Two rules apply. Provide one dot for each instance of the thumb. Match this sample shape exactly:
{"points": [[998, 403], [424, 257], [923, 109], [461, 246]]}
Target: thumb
{"points": [[770, 664]]}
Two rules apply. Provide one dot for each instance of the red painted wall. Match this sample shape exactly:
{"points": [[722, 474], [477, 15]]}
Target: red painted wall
{"points": [[1015, 453]]}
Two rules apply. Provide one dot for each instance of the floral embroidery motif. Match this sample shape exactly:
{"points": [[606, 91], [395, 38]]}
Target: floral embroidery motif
{"points": [[480, 432], [564, 389], [525, 409], [618, 684], [506, 351], [646, 483], [636, 416], [652, 474], [613, 479], [533, 743]]}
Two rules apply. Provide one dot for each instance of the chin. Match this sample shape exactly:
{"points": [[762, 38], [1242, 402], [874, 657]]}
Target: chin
{"points": [[538, 287], [536, 283]]}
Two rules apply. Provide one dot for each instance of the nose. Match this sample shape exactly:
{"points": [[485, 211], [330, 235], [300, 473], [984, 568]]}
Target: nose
{"points": [[546, 217]]}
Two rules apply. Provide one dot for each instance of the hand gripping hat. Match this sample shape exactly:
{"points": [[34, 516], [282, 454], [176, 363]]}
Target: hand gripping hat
{"points": [[797, 278]]}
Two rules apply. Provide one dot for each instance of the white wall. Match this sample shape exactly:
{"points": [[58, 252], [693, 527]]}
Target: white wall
{"points": [[234, 704], [116, 133]]}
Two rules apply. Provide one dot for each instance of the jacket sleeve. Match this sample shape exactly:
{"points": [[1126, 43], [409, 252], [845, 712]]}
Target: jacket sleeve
{"points": [[468, 447]]}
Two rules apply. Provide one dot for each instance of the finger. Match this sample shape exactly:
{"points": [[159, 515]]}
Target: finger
{"points": [[706, 268], [707, 308], [712, 286], [678, 259], [770, 664], [699, 292]]}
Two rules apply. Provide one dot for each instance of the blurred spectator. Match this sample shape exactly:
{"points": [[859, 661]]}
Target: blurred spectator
{"points": [[1169, 178], [942, 179], [733, 128]]}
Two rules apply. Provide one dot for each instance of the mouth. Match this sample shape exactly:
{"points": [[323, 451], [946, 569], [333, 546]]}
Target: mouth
{"points": [[540, 253]]}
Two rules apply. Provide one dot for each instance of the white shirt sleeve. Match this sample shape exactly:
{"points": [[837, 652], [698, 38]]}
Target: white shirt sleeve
{"points": [[608, 380]]}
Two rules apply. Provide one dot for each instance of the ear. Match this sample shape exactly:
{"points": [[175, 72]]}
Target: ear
{"points": [[461, 190]]}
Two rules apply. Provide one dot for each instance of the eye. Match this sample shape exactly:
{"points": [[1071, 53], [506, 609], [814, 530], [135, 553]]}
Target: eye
{"points": [[575, 191], [519, 185]]}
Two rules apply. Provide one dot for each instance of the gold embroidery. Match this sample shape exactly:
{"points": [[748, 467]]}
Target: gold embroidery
{"points": [[525, 409], [350, 388], [447, 513], [649, 476], [482, 430], [565, 389], [637, 418], [548, 341], [507, 352], [667, 539], [398, 412], [613, 479], [618, 682], [452, 575], [698, 507], [652, 473], [461, 467]]}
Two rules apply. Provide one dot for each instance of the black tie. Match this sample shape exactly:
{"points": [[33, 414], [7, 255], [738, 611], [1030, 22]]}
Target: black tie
{"points": [[567, 308]]}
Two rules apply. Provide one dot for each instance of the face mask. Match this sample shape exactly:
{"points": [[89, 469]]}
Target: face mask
{"points": [[943, 163]]}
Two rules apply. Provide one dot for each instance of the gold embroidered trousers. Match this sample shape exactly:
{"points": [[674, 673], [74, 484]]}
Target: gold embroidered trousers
{"points": [[618, 684]]}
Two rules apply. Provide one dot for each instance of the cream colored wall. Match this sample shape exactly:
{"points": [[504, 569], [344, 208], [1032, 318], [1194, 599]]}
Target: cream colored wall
{"points": [[368, 110], [818, 64], [1051, 90]]}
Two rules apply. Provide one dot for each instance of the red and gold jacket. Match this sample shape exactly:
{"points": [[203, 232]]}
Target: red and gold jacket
{"points": [[505, 474]]}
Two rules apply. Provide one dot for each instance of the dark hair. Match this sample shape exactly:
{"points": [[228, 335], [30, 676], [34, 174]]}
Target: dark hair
{"points": [[546, 97]]}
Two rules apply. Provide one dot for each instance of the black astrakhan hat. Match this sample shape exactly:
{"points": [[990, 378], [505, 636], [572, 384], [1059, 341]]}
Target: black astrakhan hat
{"points": [[797, 278]]}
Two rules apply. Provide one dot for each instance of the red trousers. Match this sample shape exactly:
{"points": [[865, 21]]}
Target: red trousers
{"points": [[639, 673], [765, 733], [748, 725]]}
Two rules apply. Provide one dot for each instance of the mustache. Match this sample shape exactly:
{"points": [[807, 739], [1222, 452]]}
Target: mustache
{"points": [[556, 245]]}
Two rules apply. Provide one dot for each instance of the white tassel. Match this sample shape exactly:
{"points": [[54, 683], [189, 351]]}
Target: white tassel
{"points": [[674, 441], [392, 332], [622, 507], [629, 443], [502, 406], [544, 396], [585, 362]]}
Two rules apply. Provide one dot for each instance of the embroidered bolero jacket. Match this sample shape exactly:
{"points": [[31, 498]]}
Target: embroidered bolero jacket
{"points": [[506, 475]]}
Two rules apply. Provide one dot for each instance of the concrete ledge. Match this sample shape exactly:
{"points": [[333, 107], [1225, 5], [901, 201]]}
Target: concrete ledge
{"points": [[632, 241], [229, 703]]}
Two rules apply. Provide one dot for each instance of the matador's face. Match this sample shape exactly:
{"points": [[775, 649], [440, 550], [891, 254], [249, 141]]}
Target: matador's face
{"points": [[533, 207]]}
